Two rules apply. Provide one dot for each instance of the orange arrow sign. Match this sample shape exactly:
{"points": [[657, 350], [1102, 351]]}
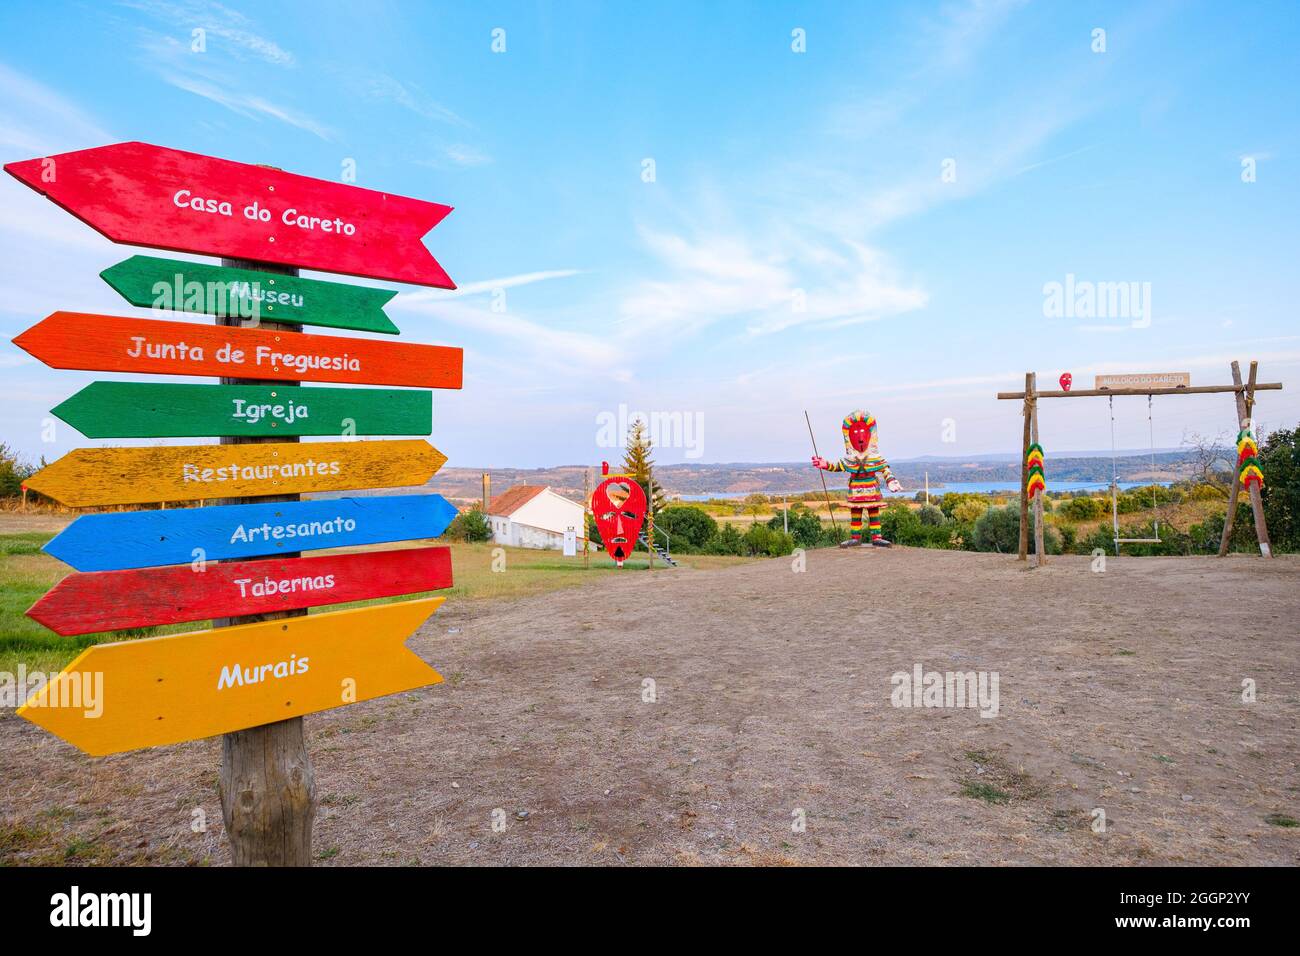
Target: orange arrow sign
{"points": [[165, 690], [114, 343], [120, 476]]}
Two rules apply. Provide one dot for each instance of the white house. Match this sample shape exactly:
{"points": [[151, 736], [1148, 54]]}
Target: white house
{"points": [[532, 516]]}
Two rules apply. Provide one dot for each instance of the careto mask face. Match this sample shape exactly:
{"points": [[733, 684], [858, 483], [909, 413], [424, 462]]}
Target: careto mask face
{"points": [[619, 507], [859, 436]]}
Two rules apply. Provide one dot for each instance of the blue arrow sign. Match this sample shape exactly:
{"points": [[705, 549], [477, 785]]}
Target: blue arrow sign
{"points": [[143, 539]]}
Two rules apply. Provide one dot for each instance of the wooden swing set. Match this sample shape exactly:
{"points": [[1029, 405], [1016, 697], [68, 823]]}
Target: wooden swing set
{"points": [[1245, 397]]}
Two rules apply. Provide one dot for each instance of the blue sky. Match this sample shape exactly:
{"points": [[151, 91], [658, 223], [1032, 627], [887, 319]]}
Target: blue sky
{"points": [[868, 223]]}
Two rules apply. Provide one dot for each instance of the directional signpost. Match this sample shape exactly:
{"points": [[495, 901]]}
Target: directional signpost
{"points": [[164, 690], [116, 600], [212, 290], [266, 662], [146, 195], [119, 476], [148, 410], [141, 539], [113, 343]]}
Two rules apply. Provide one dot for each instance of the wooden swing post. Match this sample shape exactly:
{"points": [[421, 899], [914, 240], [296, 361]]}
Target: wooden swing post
{"points": [[1024, 472], [1032, 387], [1245, 419]]}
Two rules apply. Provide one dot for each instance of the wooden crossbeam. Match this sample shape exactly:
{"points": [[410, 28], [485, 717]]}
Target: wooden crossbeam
{"points": [[1181, 390]]}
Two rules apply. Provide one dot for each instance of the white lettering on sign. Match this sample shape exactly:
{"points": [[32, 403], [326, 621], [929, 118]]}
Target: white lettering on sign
{"points": [[256, 212], [302, 363], [269, 587], [1144, 380], [234, 472], [254, 412], [292, 217], [253, 291], [233, 675], [165, 350], [305, 529], [187, 200]]}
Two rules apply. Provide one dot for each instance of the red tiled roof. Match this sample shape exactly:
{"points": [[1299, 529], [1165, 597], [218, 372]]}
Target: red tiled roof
{"points": [[511, 500]]}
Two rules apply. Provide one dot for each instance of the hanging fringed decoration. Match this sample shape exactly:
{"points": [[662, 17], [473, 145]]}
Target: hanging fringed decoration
{"points": [[1034, 468], [1248, 469]]}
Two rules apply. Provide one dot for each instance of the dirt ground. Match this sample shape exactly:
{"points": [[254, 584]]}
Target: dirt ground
{"points": [[1120, 691]]}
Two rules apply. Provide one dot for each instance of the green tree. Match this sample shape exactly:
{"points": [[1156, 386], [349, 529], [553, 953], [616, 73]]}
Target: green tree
{"points": [[13, 472], [638, 463], [1279, 460]]}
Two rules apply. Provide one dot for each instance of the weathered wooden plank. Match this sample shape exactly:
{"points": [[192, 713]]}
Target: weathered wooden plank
{"points": [[158, 410], [117, 476], [199, 287], [165, 690], [113, 343], [145, 195], [115, 600], [140, 539]]}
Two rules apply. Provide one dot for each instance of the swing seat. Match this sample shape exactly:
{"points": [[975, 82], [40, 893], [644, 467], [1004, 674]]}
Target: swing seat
{"points": [[1138, 540]]}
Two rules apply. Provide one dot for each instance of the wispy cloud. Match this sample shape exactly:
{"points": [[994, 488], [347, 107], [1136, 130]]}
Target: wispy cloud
{"points": [[490, 285], [202, 76], [407, 95], [220, 21], [36, 121]]}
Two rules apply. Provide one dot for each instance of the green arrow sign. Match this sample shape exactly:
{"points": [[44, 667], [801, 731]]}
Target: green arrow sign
{"points": [[217, 290], [146, 410]]}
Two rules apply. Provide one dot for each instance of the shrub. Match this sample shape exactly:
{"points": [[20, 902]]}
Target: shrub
{"points": [[727, 541], [1082, 509], [805, 528], [953, 500], [968, 512], [469, 526], [998, 529], [690, 527], [932, 515]]}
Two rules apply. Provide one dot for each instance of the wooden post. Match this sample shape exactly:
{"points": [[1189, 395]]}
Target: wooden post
{"points": [[268, 787], [586, 503], [1039, 557], [1245, 411], [1024, 473]]}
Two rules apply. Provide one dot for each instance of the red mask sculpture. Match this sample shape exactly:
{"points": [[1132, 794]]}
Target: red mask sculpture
{"points": [[619, 506], [1066, 380], [859, 435]]}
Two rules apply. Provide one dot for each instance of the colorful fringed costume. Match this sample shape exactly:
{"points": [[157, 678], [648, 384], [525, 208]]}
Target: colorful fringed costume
{"points": [[1248, 469], [1034, 468], [866, 470]]}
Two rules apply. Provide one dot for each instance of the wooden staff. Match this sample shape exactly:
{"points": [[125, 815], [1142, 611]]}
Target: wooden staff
{"points": [[825, 491]]}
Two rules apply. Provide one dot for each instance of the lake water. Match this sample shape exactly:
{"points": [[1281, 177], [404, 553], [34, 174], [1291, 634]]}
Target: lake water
{"points": [[986, 487]]}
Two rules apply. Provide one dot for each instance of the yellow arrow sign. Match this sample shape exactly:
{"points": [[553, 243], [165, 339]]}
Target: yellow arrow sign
{"points": [[165, 690], [118, 476]]}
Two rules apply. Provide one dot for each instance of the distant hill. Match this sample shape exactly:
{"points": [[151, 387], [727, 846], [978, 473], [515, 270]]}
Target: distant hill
{"points": [[739, 478]]}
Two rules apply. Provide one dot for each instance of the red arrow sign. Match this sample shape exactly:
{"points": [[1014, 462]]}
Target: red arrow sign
{"points": [[114, 600], [113, 343], [146, 195]]}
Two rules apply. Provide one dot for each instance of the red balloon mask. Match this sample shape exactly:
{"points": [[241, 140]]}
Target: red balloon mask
{"points": [[1066, 380], [619, 506]]}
